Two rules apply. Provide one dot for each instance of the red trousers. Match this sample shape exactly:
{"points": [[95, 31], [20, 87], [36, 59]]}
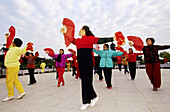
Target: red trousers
{"points": [[78, 73], [154, 73], [60, 72]]}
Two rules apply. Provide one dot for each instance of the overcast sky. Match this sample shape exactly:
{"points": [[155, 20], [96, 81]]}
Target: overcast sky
{"points": [[39, 21]]}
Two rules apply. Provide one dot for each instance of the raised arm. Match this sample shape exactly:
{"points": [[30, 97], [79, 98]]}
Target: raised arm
{"points": [[114, 53], [104, 40], [26, 57], [137, 54], [97, 52], [36, 55], [69, 55], [163, 47], [23, 51]]}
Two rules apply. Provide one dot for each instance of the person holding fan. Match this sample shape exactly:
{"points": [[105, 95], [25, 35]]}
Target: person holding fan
{"points": [[85, 62]]}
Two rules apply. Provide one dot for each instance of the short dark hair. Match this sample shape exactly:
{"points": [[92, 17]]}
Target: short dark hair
{"points": [[152, 39], [131, 49], [107, 46], [62, 50], [18, 42]]}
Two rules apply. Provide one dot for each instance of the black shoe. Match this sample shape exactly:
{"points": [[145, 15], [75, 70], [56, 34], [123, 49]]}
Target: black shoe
{"points": [[154, 88]]}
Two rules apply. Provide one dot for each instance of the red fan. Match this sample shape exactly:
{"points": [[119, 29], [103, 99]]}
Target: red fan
{"points": [[72, 51], [20, 60], [10, 37], [70, 29], [125, 53], [49, 51], [137, 42], [29, 46], [120, 49], [120, 38], [37, 53]]}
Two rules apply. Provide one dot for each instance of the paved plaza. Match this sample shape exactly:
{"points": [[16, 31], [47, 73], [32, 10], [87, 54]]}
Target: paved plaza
{"points": [[125, 96]]}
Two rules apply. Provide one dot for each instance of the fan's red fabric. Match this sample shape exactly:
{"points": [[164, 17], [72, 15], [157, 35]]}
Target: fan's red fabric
{"points": [[72, 51], [51, 52], [37, 54], [137, 42], [125, 53], [20, 60], [120, 38], [120, 49], [165, 60], [69, 35], [10, 37], [29, 46]]}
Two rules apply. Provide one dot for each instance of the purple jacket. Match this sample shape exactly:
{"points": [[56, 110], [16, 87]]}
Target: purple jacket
{"points": [[63, 59]]}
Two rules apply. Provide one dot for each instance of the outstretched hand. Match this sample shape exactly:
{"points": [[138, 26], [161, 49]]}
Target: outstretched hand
{"points": [[7, 34], [131, 43], [47, 52], [73, 52], [37, 53], [114, 38], [63, 30]]}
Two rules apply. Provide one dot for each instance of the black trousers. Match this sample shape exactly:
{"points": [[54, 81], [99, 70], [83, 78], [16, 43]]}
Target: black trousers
{"points": [[132, 69], [31, 74], [86, 75], [120, 67], [126, 70], [108, 76], [74, 71], [99, 72]]}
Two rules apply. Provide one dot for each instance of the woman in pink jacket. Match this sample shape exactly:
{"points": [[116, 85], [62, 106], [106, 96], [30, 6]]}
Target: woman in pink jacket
{"points": [[60, 64]]}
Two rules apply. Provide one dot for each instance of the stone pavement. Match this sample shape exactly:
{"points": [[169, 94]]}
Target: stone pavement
{"points": [[125, 96]]}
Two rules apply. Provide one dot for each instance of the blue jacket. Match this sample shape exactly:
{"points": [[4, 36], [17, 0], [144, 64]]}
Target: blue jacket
{"points": [[106, 57]]}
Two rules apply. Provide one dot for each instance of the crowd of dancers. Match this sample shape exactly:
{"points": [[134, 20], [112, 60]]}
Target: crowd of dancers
{"points": [[83, 64]]}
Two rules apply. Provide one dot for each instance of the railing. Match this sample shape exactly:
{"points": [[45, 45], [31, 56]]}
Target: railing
{"points": [[25, 72], [48, 70], [36, 71], [163, 66]]}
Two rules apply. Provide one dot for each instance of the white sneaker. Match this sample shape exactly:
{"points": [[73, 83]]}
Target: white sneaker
{"points": [[84, 106], [94, 101], [8, 98], [21, 95]]}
